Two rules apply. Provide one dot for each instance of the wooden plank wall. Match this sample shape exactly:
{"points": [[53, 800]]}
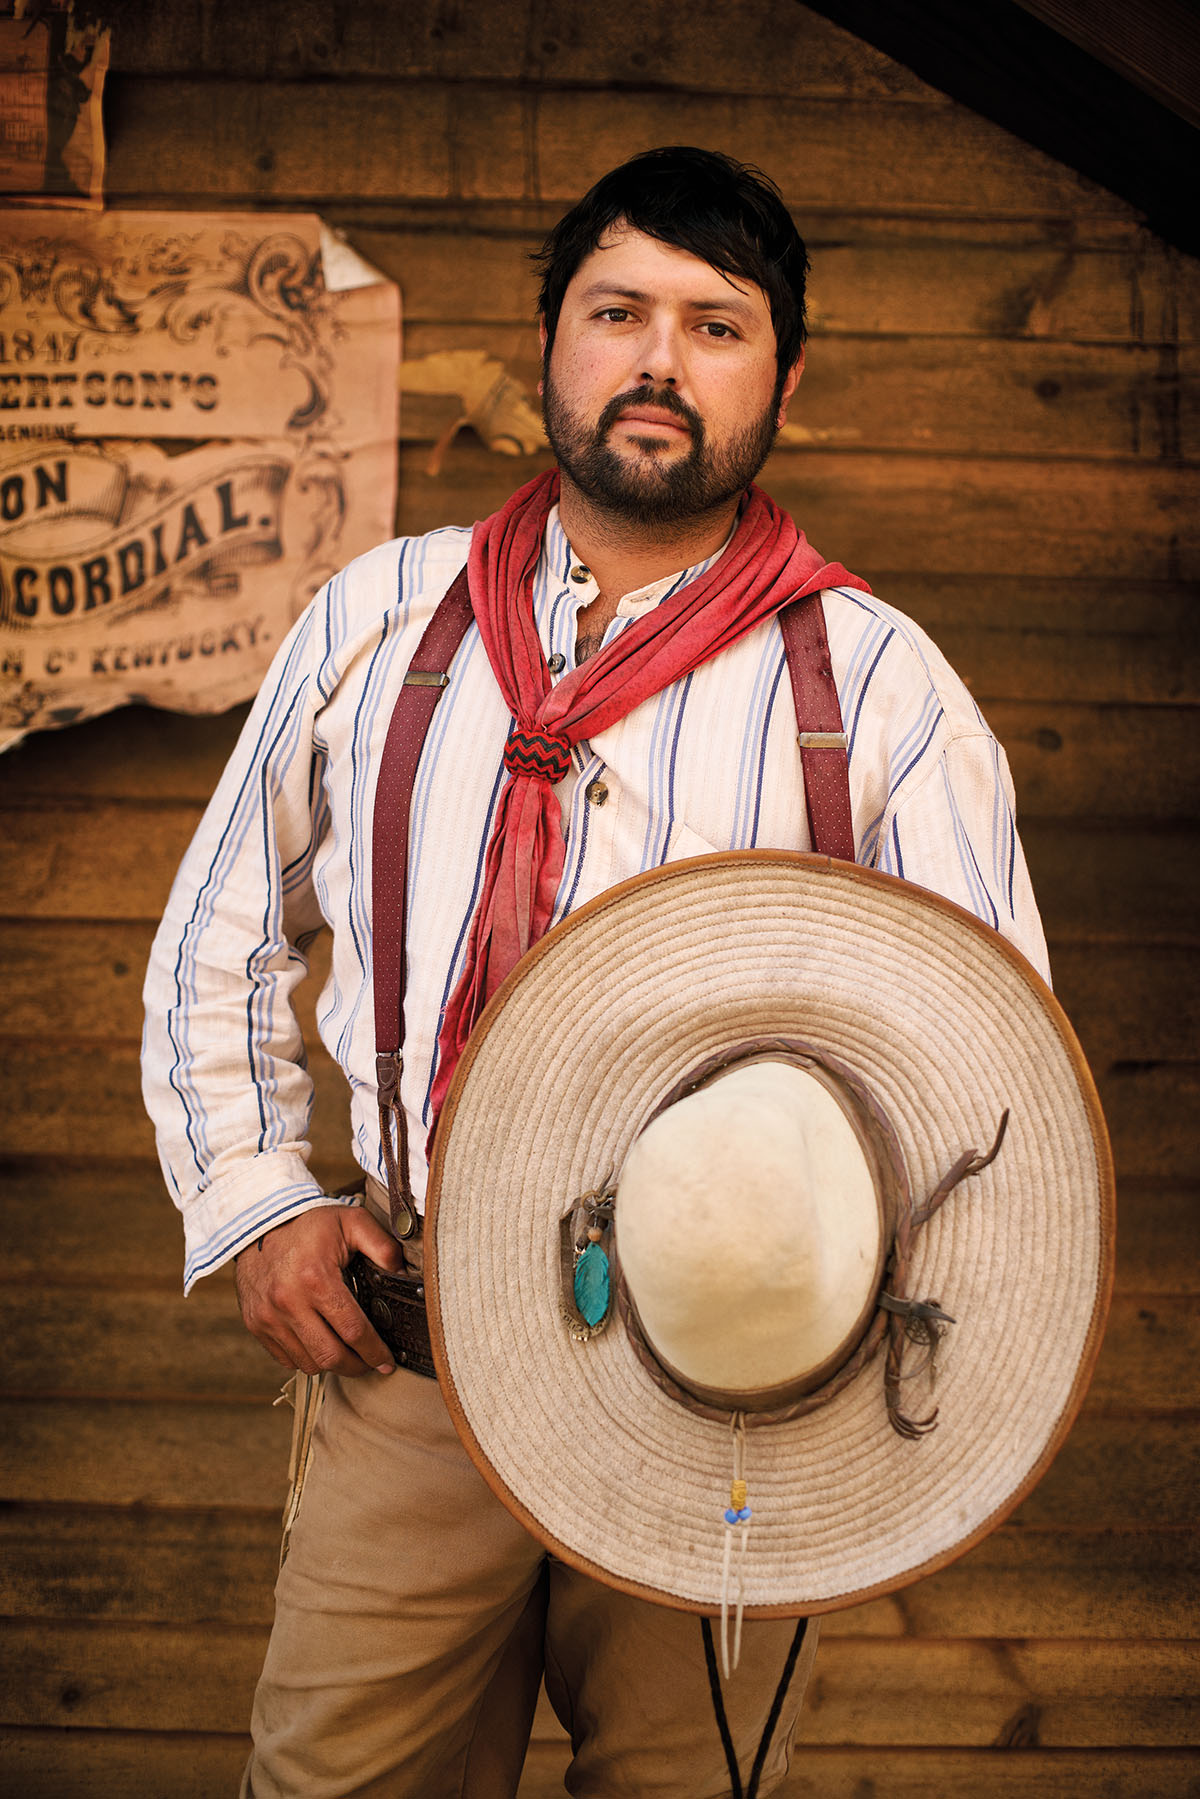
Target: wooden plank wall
{"points": [[1004, 441]]}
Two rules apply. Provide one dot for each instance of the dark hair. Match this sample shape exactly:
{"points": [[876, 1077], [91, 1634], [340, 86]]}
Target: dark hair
{"points": [[729, 214]]}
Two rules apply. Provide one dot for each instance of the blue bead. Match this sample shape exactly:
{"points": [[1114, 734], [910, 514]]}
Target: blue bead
{"points": [[743, 1516], [592, 1285], [731, 1517]]}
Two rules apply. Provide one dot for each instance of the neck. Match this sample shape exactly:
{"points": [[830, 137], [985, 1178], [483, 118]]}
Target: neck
{"points": [[624, 555]]}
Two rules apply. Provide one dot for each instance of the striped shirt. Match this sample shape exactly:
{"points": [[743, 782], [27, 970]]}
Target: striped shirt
{"points": [[284, 849]]}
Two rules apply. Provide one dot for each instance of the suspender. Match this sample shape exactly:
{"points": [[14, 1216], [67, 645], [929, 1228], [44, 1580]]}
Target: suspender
{"points": [[411, 717], [823, 757], [826, 794]]}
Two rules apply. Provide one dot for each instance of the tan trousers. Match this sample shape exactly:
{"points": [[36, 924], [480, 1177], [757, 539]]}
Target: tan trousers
{"points": [[415, 1619]]}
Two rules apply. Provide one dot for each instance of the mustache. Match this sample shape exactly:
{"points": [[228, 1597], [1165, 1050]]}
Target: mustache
{"points": [[648, 395]]}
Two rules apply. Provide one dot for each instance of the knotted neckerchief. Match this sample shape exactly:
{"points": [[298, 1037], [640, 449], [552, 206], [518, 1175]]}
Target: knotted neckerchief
{"points": [[766, 564]]}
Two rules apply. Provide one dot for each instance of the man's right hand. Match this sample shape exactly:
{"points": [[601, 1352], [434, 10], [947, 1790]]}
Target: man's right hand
{"points": [[294, 1300]]}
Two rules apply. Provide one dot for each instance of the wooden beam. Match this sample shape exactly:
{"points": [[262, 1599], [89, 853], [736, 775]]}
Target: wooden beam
{"points": [[1094, 1694], [64, 1345], [552, 41], [113, 1452], [206, 1567], [236, 142], [114, 1764], [208, 1455]]}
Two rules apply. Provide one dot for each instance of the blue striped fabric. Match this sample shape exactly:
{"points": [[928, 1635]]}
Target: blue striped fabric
{"points": [[285, 846]]}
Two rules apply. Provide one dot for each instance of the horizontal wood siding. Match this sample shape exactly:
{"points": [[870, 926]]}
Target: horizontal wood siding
{"points": [[1002, 433]]}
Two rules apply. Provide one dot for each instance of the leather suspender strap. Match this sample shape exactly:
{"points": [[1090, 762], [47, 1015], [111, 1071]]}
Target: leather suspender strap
{"points": [[826, 792], [823, 756], [423, 687]]}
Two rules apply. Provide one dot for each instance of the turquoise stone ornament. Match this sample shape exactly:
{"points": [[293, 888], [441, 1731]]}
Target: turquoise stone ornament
{"points": [[583, 1234], [592, 1285]]}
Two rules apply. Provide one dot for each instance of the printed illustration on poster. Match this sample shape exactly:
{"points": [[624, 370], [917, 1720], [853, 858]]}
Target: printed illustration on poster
{"points": [[197, 428]]}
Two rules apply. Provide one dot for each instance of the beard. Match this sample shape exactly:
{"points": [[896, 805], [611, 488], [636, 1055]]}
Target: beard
{"points": [[654, 487]]}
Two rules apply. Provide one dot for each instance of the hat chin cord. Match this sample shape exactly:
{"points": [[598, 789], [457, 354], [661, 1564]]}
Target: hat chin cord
{"points": [[737, 1791]]}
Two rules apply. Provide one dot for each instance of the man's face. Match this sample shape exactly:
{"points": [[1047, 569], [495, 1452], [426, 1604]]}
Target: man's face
{"points": [[660, 392]]}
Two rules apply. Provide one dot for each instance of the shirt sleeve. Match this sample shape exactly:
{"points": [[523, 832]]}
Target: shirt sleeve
{"points": [[954, 831], [223, 1063]]}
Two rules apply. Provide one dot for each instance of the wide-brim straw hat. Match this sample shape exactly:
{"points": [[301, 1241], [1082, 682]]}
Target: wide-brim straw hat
{"points": [[947, 1027]]}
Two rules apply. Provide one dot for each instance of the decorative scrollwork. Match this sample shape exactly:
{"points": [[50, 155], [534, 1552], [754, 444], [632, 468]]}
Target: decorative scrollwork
{"points": [[268, 289]]}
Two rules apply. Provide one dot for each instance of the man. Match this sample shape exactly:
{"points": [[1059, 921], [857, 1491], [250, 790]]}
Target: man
{"points": [[414, 1615]]}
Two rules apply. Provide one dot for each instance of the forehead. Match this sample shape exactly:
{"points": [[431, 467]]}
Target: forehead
{"points": [[627, 263]]}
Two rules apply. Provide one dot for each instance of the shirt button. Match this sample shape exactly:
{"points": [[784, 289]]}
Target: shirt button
{"points": [[557, 663], [596, 792], [579, 573]]}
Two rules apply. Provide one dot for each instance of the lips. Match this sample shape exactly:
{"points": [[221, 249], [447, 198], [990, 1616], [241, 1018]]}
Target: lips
{"points": [[653, 415], [658, 414]]}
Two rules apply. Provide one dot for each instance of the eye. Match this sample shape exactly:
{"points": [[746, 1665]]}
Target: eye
{"points": [[616, 315], [718, 329]]}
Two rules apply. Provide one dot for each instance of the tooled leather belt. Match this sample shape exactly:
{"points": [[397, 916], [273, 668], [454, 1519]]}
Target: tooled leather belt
{"points": [[395, 1304]]}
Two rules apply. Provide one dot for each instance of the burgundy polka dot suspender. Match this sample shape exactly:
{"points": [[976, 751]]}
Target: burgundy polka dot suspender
{"points": [[823, 755]]}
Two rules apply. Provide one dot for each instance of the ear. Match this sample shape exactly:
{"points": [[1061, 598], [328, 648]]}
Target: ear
{"points": [[790, 383], [543, 339]]}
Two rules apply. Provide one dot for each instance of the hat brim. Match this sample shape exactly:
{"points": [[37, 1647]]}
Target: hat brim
{"points": [[949, 1026]]}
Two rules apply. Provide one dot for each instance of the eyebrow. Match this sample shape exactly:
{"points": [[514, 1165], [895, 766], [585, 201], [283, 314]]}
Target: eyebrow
{"points": [[601, 290]]}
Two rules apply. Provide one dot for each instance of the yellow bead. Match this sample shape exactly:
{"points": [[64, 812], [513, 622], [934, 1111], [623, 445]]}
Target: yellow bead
{"points": [[737, 1495]]}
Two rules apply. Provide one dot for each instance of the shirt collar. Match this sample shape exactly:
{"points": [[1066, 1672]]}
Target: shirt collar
{"points": [[561, 559]]}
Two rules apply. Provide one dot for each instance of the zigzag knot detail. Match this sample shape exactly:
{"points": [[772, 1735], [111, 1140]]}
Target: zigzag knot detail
{"points": [[537, 754]]}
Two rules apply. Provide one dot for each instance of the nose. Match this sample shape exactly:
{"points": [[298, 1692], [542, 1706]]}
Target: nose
{"points": [[660, 355]]}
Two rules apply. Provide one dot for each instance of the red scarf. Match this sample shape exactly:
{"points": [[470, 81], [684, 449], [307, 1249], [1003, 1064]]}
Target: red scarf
{"points": [[766, 564]]}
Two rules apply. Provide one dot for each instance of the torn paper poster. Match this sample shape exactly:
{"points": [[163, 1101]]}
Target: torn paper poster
{"points": [[130, 574], [195, 433], [51, 131], [144, 324], [489, 399]]}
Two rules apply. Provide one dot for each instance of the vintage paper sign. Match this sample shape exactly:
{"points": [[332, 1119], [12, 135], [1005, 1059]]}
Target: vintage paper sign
{"points": [[51, 132], [196, 431], [488, 399]]}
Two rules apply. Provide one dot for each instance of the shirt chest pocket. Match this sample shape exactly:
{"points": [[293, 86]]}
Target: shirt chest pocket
{"points": [[685, 842]]}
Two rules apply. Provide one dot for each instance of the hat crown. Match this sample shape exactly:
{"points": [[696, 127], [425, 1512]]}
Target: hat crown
{"points": [[749, 1230]]}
